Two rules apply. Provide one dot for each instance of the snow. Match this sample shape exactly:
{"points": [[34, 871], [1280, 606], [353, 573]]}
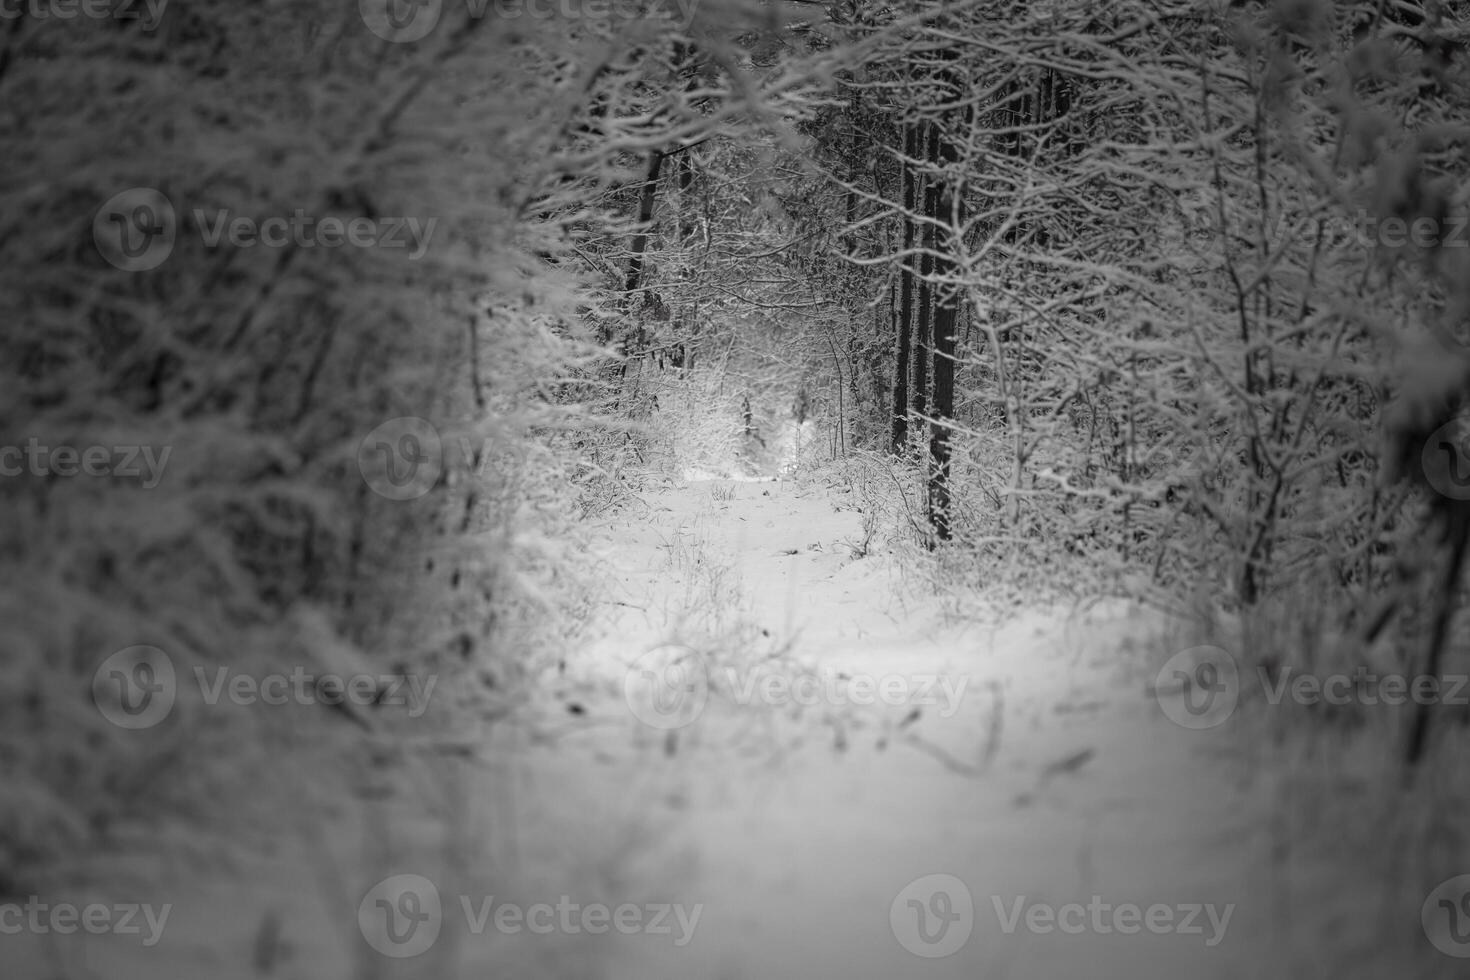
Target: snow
{"points": [[779, 459], [1056, 779], [1027, 762]]}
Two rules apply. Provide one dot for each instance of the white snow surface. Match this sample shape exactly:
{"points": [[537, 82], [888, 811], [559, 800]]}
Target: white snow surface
{"points": [[797, 826], [796, 829]]}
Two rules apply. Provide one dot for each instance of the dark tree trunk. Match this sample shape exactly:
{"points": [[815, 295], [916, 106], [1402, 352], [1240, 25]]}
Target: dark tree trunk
{"points": [[922, 331], [942, 204], [634, 340], [645, 215], [903, 360], [946, 309]]}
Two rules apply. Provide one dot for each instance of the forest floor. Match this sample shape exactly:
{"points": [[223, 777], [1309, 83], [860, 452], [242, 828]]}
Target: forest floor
{"points": [[779, 759], [1025, 766]]}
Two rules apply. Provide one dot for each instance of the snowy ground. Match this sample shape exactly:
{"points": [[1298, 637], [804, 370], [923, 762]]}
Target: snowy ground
{"points": [[1029, 765], [774, 762]]}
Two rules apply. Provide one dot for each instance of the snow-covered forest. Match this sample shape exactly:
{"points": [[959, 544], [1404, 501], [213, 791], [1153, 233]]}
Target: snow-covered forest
{"points": [[734, 489]]}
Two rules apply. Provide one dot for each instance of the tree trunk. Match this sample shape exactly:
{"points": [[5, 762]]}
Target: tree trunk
{"points": [[645, 215], [920, 394], [902, 362], [943, 203]]}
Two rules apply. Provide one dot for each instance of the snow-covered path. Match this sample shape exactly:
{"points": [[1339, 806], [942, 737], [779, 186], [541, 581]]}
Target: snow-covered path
{"points": [[1027, 765], [773, 761]]}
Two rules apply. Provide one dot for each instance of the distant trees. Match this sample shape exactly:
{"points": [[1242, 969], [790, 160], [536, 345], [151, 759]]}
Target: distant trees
{"points": [[1131, 290], [1137, 238], [1103, 275]]}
